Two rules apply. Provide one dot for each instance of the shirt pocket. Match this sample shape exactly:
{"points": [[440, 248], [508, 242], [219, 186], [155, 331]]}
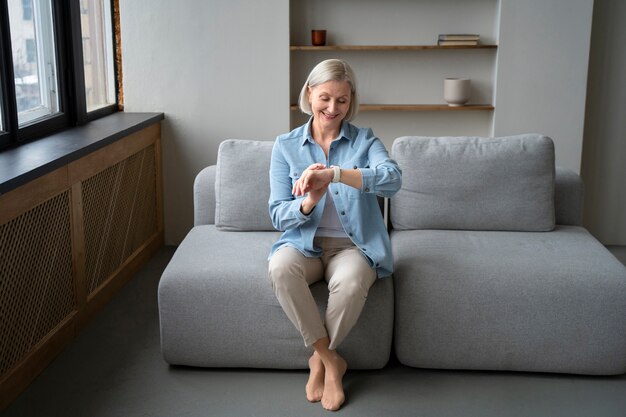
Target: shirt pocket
{"points": [[296, 172], [356, 163]]}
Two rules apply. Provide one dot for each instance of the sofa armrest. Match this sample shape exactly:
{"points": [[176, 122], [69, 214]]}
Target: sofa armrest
{"points": [[204, 197], [568, 197]]}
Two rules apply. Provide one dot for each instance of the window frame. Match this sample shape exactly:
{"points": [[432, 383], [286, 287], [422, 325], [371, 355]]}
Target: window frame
{"points": [[79, 71], [40, 52], [71, 78]]}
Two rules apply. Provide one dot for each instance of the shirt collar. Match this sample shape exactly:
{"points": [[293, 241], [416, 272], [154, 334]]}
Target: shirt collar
{"points": [[344, 132]]}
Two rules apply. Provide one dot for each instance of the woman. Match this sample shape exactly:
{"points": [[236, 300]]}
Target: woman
{"points": [[324, 177]]}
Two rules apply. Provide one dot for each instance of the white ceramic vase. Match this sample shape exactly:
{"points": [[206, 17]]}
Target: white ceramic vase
{"points": [[456, 91]]}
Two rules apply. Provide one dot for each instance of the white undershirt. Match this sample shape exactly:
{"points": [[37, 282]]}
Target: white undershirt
{"points": [[330, 226]]}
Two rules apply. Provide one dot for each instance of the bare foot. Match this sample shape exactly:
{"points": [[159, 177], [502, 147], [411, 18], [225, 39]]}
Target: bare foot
{"points": [[334, 396], [315, 385]]}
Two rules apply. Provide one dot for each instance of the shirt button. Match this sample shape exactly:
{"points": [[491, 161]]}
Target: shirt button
{"points": [[343, 213], [364, 250], [295, 174], [336, 192], [350, 234], [377, 264], [367, 190], [354, 167]]}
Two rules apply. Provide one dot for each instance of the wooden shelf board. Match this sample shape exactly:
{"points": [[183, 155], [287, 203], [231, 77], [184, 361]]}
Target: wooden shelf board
{"points": [[384, 47], [418, 107]]}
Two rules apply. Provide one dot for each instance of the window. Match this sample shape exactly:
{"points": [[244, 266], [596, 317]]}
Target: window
{"points": [[97, 53], [57, 66], [34, 61]]}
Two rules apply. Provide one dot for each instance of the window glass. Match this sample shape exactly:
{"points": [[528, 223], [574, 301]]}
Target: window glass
{"points": [[27, 9], [98, 53], [34, 59]]}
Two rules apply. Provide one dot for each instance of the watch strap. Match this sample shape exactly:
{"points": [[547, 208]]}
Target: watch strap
{"points": [[337, 174]]}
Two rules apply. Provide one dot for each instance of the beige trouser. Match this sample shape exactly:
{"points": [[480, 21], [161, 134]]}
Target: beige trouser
{"points": [[349, 279]]}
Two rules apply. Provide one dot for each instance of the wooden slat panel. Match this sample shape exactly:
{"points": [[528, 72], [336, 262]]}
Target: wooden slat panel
{"points": [[78, 246], [116, 281], [159, 184], [21, 375], [385, 47], [424, 107], [418, 107], [120, 213], [36, 285]]}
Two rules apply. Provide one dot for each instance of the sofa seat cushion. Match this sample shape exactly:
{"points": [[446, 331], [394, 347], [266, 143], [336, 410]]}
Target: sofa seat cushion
{"points": [[546, 302], [217, 308], [473, 183]]}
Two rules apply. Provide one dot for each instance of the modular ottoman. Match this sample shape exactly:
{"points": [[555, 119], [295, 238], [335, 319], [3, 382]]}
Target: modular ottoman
{"points": [[492, 269]]}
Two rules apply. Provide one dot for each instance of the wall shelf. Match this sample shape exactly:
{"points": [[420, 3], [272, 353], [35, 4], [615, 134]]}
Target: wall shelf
{"points": [[400, 69], [417, 107], [384, 47]]}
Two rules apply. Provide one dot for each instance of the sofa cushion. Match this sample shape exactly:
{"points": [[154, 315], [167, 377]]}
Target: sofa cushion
{"points": [[473, 183], [242, 185], [217, 311], [539, 302]]}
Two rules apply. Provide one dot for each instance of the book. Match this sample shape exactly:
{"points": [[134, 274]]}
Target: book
{"points": [[457, 43], [458, 37]]}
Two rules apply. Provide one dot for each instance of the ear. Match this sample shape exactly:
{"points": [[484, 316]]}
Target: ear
{"points": [[309, 90]]}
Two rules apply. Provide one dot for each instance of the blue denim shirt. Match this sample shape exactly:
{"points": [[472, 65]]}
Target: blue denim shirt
{"points": [[358, 210]]}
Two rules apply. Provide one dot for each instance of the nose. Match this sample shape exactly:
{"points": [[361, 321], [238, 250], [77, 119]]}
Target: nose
{"points": [[332, 105]]}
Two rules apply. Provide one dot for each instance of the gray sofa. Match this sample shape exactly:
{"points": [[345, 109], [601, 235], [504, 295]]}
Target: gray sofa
{"points": [[493, 270]]}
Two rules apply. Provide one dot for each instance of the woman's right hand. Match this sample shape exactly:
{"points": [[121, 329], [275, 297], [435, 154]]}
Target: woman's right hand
{"points": [[314, 183]]}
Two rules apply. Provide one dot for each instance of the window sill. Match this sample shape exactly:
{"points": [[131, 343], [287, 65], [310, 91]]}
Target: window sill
{"points": [[35, 159]]}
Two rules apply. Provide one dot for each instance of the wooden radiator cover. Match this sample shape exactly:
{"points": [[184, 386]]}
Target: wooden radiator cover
{"points": [[68, 241], [37, 287]]}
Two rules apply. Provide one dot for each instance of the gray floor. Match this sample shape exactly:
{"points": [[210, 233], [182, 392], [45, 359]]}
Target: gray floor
{"points": [[114, 368]]}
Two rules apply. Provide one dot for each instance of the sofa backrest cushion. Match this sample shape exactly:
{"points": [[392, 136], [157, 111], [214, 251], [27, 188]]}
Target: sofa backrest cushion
{"points": [[242, 185], [473, 183]]}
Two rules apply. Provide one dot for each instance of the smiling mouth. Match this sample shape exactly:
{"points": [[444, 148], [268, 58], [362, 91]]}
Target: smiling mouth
{"points": [[329, 116]]}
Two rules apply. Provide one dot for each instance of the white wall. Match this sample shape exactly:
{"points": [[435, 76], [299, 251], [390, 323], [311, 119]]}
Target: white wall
{"points": [[542, 72], [604, 167], [218, 69]]}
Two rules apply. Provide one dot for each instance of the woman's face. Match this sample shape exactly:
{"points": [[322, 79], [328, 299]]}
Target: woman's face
{"points": [[330, 103]]}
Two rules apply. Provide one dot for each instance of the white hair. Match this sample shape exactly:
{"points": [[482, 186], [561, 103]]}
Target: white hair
{"points": [[330, 70]]}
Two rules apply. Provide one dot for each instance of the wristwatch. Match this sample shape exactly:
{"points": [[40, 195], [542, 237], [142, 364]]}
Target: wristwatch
{"points": [[337, 175]]}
